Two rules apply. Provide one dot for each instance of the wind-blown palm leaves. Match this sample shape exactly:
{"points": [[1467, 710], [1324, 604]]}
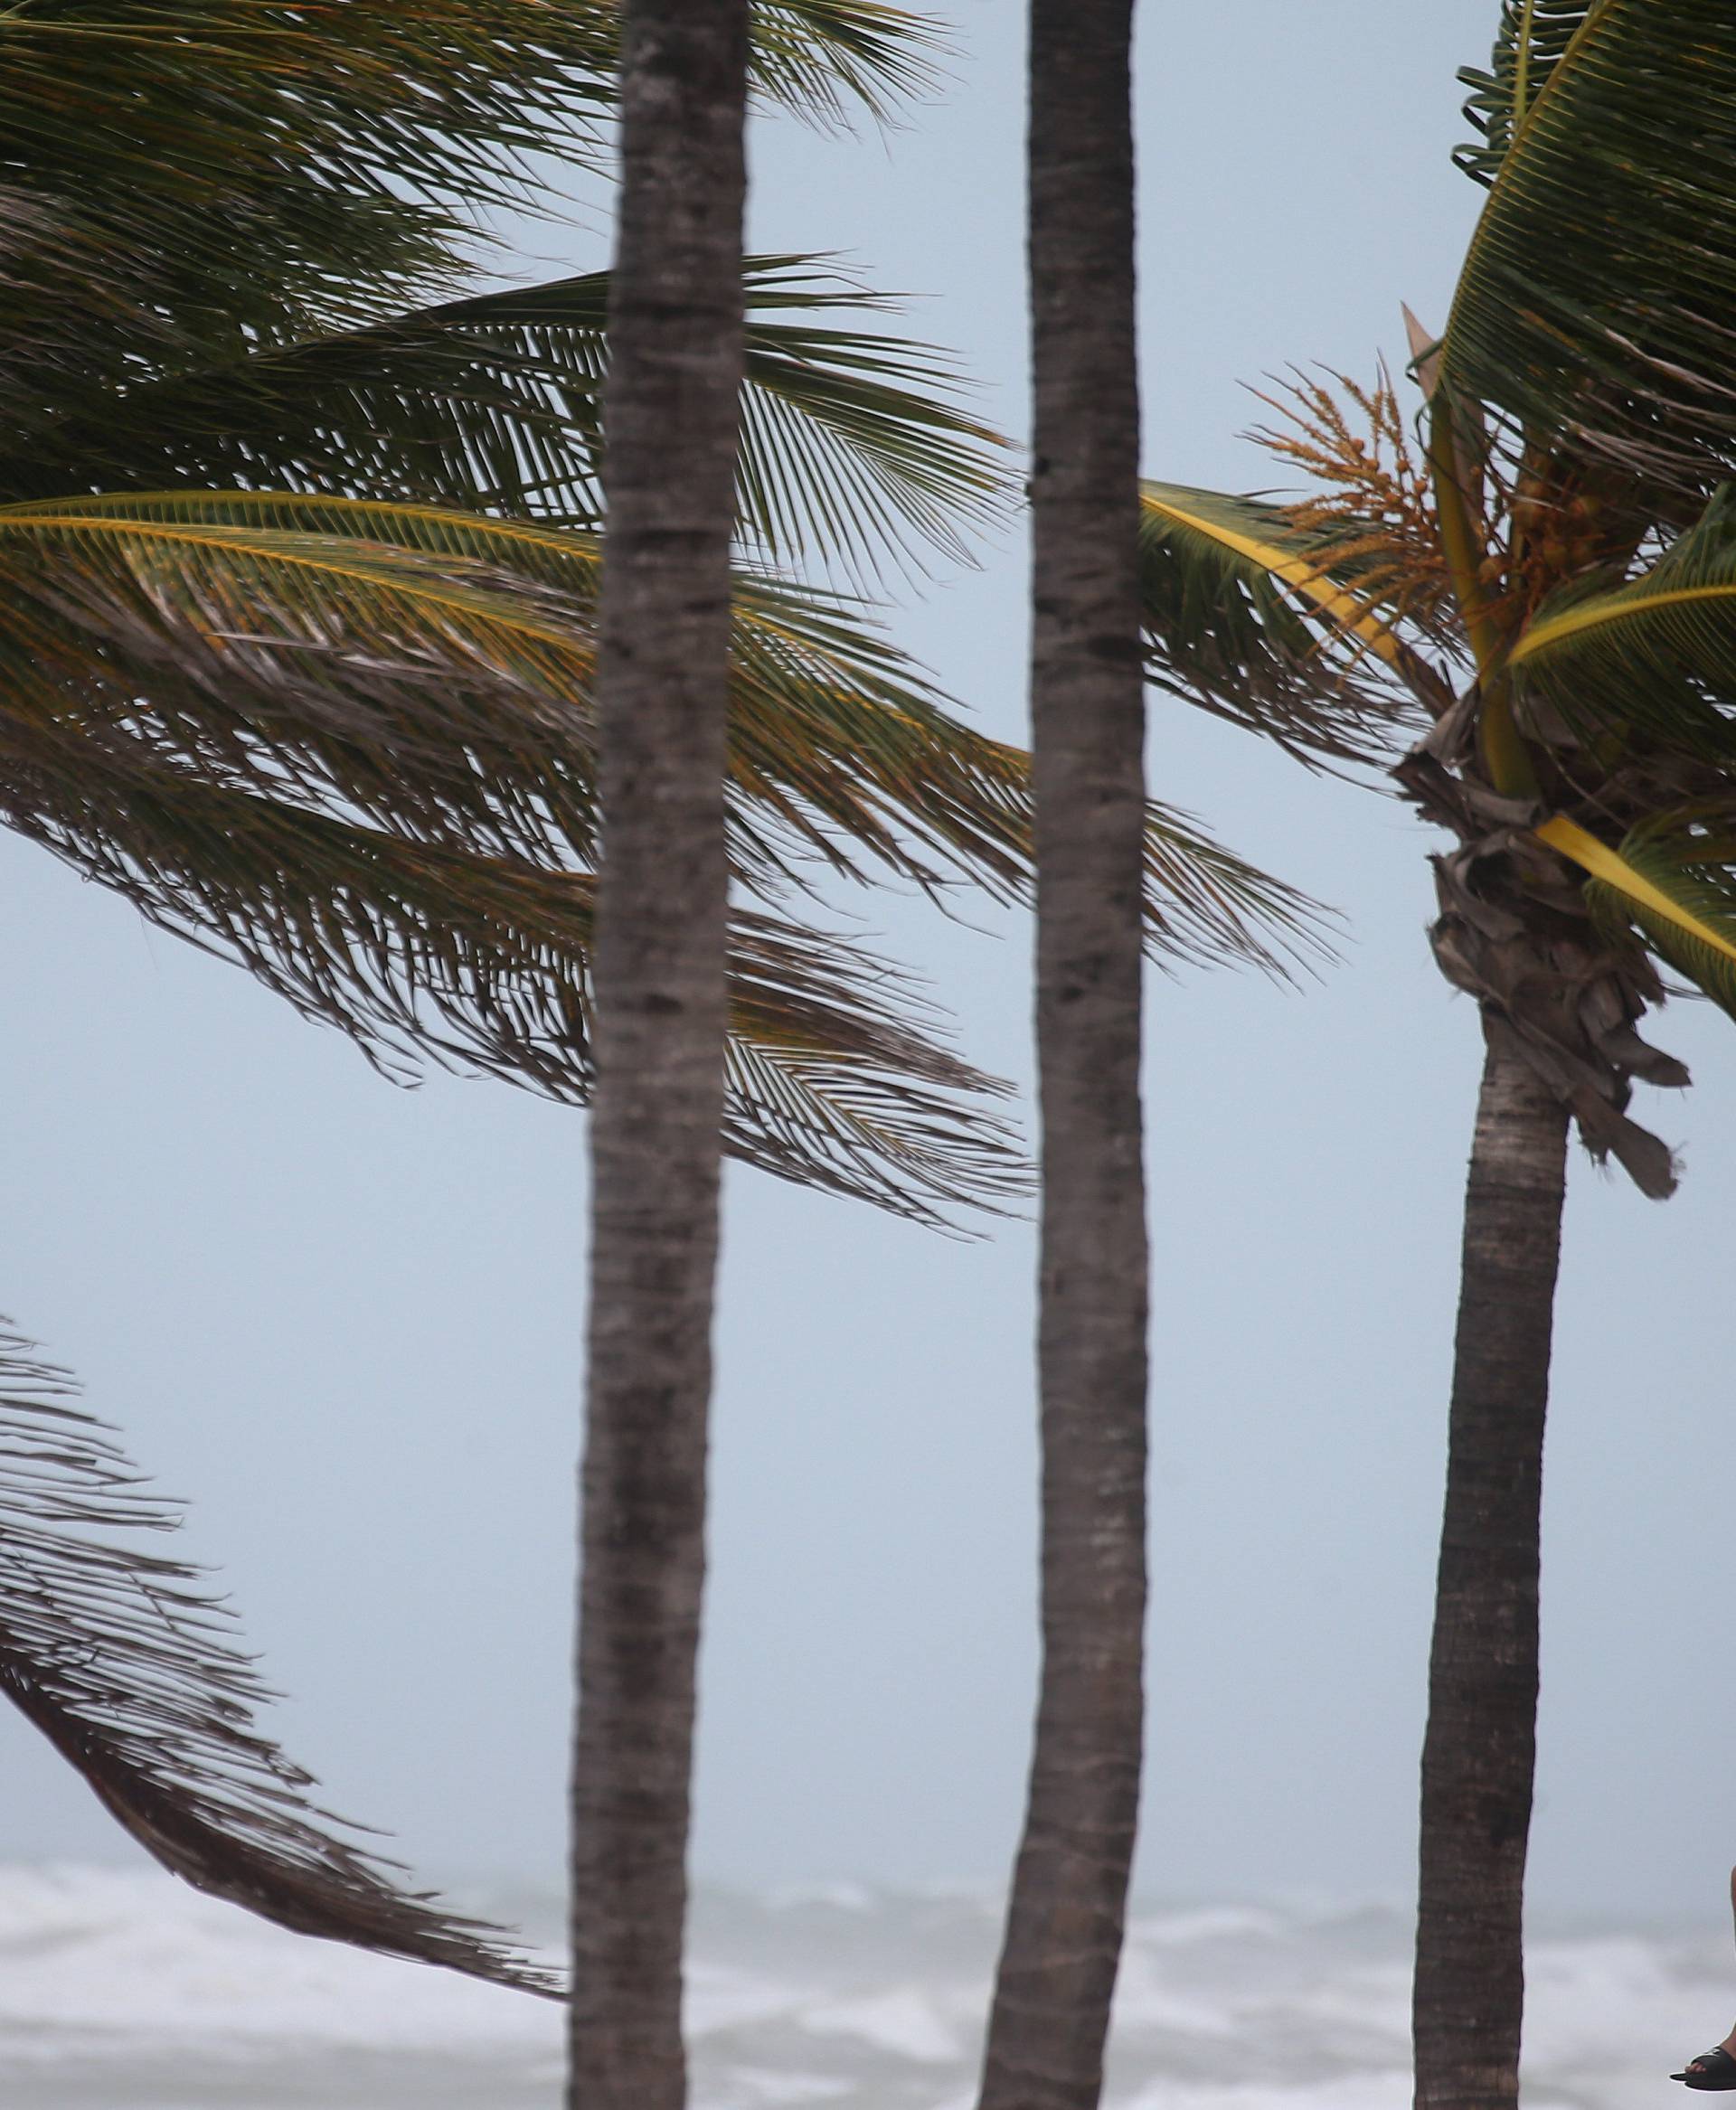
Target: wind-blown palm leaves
{"points": [[130, 1666], [273, 733], [331, 719], [212, 634], [1595, 298], [856, 444], [1581, 538], [341, 149], [1281, 627]]}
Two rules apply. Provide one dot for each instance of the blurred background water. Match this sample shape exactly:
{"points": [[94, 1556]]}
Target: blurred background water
{"points": [[124, 1991]]}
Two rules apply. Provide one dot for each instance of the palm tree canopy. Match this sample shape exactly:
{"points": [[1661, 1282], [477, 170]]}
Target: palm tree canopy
{"points": [[322, 661], [345, 149], [1579, 528], [1597, 296]]}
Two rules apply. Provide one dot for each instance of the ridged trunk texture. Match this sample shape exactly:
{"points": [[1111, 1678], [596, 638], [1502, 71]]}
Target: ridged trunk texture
{"points": [[1065, 1919], [662, 694], [1479, 1749]]}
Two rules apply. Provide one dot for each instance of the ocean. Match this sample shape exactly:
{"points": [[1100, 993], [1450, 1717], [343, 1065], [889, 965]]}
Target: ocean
{"points": [[129, 1991]]}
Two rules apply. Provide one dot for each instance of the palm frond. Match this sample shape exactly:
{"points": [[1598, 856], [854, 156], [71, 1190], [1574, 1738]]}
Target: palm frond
{"points": [[79, 310], [1206, 905], [328, 146], [855, 444], [1673, 878], [836, 1076], [1529, 44], [1269, 624], [837, 1079], [415, 686], [853, 441], [341, 150], [1597, 298], [822, 58], [130, 1666], [1655, 655], [429, 671]]}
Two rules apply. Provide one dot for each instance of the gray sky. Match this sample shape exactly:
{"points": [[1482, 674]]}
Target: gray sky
{"points": [[345, 1320]]}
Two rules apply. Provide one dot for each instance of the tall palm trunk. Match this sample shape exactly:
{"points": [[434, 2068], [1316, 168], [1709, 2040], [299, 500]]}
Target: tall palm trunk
{"points": [[1065, 1924], [662, 685], [1480, 1746]]}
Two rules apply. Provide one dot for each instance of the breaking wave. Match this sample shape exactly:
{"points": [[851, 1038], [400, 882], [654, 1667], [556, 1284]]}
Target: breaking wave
{"points": [[129, 1991]]}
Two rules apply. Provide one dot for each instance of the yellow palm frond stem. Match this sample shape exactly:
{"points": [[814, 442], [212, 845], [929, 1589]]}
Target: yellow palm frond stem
{"points": [[1503, 750], [1308, 578], [1601, 863]]}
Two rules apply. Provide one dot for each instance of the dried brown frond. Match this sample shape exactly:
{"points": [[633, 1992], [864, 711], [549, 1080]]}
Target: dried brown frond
{"points": [[1371, 497]]}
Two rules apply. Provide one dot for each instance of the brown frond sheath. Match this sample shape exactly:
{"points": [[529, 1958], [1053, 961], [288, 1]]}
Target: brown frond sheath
{"points": [[130, 1666]]}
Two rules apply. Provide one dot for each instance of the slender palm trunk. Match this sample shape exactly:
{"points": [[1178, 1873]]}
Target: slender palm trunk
{"points": [[662, 686], [1065, 1919], [1478, 1753]]}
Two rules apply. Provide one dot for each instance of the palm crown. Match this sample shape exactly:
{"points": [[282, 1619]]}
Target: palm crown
{"points": [[1545, 585]]}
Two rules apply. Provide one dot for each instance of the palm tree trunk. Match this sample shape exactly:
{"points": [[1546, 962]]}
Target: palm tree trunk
{"points": [[1066, 1915], [1479, 1749], [662, 688]]}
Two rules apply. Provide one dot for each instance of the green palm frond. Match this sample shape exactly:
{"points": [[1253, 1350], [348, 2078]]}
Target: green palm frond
{"points": [[1655, 655], [431, 671], [1678, 889], [1206, 905], [79, 308], [854, 443], [1597, 297], [291, 744], [1267, 626], [129, 1665], [1533, 36], [836, 1078], [328, 146], [819, 58], [341, 151], [853, 440], [414, 687]]}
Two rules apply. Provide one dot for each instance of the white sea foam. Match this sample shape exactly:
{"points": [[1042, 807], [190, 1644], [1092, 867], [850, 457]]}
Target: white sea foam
{"points": [[903, 2022], [128, 1992], [93, 1961]]}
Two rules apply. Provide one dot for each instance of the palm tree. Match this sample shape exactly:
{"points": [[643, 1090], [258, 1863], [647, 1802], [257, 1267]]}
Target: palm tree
{"points": [[663, 689], [1065, 1917], [1568, 548], [297, 587]]}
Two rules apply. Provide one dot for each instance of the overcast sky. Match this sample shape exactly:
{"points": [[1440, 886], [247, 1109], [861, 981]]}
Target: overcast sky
{"points": [[345, 1320]]}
